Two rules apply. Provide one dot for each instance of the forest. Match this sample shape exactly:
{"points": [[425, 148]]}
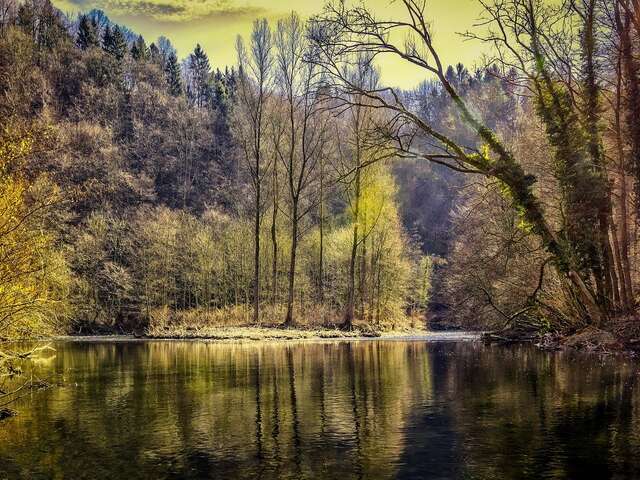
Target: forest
{"points": [[141, 191], [343, 239]]}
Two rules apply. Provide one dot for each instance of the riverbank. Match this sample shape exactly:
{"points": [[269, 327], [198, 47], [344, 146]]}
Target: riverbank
{"points": [[256, 334], [616, 337]]}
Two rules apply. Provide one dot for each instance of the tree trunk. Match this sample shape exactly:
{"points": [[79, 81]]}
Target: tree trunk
{"points": [[321, 227], [362, 279], [624, 294], [624, 235], [256, 256], [289, 320], [349, 313], [625, 68], [274, 239], [632, 88]]}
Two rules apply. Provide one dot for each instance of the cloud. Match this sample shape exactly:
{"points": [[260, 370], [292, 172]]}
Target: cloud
{"points": [[172, 10]]}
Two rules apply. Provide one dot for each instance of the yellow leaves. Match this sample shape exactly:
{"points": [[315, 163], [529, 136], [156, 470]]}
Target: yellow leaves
{"points": [[14, 147], [33, 275], [377, 197]]}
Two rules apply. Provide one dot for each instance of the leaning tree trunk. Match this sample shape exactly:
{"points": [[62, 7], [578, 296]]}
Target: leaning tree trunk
{"points": [[519, 186]]}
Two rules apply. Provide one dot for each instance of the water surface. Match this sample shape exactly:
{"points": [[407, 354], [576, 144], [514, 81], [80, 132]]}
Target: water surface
{"points": [[344, 410]]}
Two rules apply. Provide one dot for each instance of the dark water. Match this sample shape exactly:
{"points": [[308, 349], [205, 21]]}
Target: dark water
{"points": [[376, 409]]}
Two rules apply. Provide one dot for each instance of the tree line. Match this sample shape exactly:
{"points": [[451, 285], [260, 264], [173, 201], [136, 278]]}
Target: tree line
{"points": [[297, 185], [138, 188]]}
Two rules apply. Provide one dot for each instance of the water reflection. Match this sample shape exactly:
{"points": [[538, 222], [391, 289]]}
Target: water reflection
{"points": [[325, 410]]}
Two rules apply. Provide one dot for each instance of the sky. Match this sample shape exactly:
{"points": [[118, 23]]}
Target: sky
{"points": [[216, 23]]}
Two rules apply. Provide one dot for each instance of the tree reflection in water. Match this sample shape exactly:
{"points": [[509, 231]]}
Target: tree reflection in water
{"points": [[374, 409]]}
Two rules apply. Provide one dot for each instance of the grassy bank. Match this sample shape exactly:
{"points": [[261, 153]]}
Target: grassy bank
{"points": [[271, 334], [253, 333], [235, 324]]}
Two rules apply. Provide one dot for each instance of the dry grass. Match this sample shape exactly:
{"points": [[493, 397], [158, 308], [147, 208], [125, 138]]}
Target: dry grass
{"points": [[252, 333], [241, 316], [235, 324]]}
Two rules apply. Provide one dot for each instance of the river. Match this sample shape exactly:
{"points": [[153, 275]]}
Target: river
{"points": [[343, 410]]}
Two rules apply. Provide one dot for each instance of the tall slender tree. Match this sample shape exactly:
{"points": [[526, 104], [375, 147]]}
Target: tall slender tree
{"points": [[255, 78], [114, 43], [297, 77], [172, 74], [199, 84], [88, 33], [139, 50]]}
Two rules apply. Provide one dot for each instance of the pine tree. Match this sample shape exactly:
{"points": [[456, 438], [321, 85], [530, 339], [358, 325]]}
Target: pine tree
{"points": [[219, 96], [154, 55], [139, 51], [87, 33], [107, 38], [230, 81], [200, 72], [114, 43], [172, 72]]}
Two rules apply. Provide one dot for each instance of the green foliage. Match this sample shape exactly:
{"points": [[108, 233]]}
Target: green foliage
{"points": [[139, 51], [199, 89], [42, 22], [88, 33], [114, 43], [172, 72]]}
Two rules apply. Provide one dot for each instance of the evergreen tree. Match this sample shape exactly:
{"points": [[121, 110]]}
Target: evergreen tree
{"points": [[199, 75], [87, 33], [114, 43], [107, 38], [172, 72], [154, 55], [219, 95], [139, 51]]}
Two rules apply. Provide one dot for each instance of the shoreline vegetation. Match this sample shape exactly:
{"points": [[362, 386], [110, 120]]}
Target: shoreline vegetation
{"points": [[617, 337], [276, 333]]}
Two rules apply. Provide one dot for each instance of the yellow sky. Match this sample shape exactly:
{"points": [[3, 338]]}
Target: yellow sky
{"points": [[216, 23]]}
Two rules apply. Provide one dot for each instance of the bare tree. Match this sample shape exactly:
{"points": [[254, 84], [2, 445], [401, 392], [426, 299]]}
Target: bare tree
{"points": [[297, 76], [254, 90]]}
